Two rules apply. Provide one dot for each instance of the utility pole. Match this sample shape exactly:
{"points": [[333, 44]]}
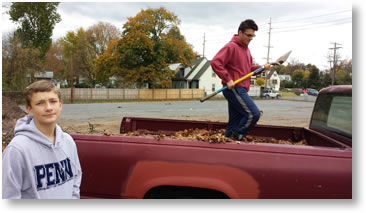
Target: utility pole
{"points": [[268, 47], [330, 67], [334, 60], [204, 42]]}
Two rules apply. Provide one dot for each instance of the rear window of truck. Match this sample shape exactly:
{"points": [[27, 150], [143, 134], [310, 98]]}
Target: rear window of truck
{"points": [[333, 112], [340, 114]]}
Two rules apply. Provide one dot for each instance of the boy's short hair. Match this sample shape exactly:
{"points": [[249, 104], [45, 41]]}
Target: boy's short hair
{"points": [[247, 24], [40, 86]]}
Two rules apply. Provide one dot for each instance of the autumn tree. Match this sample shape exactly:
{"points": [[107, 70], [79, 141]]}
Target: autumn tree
{"points": [[344, 73], [343, 77], [36, 23], [98, 37], [150, 41], [83, 47], [347, 65], [68, 43], [313, 81], [83, 58], [325, 79], [18, 64], [107, 64], [54, 61], [79, 54], [101, 34], [278, 68], [260, 82], [298, 77]]}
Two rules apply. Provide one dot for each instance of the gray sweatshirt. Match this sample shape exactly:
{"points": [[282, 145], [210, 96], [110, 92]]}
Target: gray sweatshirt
{"points": [[35, 168]]}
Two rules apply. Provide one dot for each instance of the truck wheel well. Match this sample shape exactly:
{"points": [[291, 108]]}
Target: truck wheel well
{"points": [[182, 192]]}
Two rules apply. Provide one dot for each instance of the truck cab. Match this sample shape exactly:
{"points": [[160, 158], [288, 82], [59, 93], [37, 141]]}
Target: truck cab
{"points": [[332, 113]]}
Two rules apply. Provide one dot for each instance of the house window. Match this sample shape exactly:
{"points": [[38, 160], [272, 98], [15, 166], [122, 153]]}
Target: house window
{"points": [[213, 88], [274, 81], [252, 82], [213, 74]]}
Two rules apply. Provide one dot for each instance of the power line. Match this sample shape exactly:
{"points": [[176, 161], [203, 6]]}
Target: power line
{"points": [[308, 28], [212, 37], [324, 22], [292, 20]]}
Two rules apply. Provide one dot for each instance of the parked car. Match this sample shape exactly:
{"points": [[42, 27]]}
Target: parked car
{"points": [[313, 92], [298, 91], [271, 94]]}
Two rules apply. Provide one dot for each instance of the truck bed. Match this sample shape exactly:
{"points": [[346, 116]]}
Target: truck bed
{"points": [[138, 167], [170, 126]]}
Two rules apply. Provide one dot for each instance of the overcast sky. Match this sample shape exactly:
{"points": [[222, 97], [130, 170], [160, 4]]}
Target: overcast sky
{"points": [[308, 29]]}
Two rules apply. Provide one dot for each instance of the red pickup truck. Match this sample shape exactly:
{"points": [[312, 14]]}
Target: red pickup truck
{"points": [[149, 167]]}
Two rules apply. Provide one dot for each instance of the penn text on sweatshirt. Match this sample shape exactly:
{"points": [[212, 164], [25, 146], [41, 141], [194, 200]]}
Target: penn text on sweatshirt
{"points": [[234, 61], [35, 168]]}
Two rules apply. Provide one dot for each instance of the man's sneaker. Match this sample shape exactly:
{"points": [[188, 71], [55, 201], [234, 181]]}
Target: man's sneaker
{"points": [[238, 137]]}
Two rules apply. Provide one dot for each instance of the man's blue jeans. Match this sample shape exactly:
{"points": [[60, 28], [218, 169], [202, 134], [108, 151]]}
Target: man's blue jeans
{"points": [[243, 113]]}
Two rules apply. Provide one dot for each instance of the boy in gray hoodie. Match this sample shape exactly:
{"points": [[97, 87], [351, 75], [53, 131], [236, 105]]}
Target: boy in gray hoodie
{"points": [[41, 161]]}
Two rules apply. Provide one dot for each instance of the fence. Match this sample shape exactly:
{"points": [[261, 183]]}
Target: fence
{"points": [[130, 94]]}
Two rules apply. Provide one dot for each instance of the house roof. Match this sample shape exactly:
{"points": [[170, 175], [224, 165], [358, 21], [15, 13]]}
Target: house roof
{"points": [[196, 62], [203, 70], [198, 73], [174, 66]]}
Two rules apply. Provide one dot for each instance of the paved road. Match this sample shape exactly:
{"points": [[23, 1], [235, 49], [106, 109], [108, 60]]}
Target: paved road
{"points": [[276, 112], [281, 112]]}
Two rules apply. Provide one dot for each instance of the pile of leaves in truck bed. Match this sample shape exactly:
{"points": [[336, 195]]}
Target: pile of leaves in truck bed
{"points": [[214, 136]]}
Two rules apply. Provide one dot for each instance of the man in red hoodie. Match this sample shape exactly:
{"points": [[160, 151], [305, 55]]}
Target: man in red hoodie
{"points": [[232, 62]]}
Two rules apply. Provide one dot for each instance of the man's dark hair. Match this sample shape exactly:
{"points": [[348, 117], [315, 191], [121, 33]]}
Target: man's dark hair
{"points": [[248, 24]]}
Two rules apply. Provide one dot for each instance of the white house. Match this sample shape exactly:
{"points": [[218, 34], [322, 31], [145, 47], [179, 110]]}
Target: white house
{"points": [[202, 76], [47, 75], [285, 77], [273, 82], [207, 79]]}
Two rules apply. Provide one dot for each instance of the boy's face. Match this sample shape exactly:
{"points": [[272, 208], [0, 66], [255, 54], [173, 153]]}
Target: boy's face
{"points": [[45, 107], [247, 36]]}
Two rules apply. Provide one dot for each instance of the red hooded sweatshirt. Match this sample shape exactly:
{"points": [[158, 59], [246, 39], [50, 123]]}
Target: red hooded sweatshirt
{"points": [[234, 61]]}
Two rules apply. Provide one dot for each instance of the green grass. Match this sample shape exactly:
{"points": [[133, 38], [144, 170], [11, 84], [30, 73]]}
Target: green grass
{"points": [[287, 94]]}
